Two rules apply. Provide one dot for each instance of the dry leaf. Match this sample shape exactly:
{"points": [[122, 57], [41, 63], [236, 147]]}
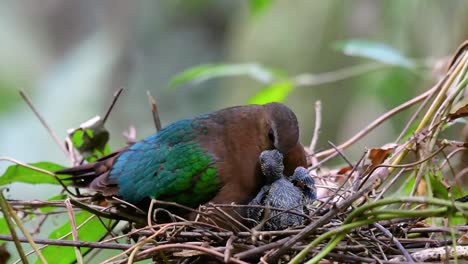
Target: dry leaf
{"points": [[379, 155], [461, 112], [344, 170], [421, 224], [421, 190], [463, 239]]}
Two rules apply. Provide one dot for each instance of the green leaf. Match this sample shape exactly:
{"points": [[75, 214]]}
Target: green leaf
{"points": [[90, 139], [258, 6], [18, 173], [276, 92], [373, 50], [77, 138], [209, 71], [92, 231], [4, 230]]}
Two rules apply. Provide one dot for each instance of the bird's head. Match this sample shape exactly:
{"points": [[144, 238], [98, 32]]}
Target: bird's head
{"points": [[305, 182], [283, 129], [271, 162]]}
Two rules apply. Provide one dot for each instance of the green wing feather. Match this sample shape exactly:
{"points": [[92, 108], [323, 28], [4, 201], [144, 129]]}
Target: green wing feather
{"points": [[168, 165]]}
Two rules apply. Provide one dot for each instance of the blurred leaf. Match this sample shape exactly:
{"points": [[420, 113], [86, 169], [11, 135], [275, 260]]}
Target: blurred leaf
{"points": [[391, 87], [18, 173], [457, 220], [4, 230], [90, 139], [209, 71], [407, 187], [92, 231], [440, 190], [276, 92], [394, 86], [258, 6], [9, 96], [373, 50]]}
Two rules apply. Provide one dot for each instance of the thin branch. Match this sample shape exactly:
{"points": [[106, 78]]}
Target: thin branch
{"points": [[70, 243], [114, 100], [43, 122], [14, 237], [315, 136], [378, 121], [442, 254], [343, 156], [133, 250], [417, 112], [25, 233], [229, 247], [229, 217], [332, 196], [71, 217], [408, 257], [154, 110], [444, 86], [282, 210], [209, 251]]}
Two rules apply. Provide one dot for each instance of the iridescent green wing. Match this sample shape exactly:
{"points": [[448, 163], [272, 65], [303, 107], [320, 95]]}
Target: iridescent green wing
{"points": [[169, 165]]}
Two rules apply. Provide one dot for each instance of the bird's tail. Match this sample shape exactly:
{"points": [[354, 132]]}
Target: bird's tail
{"points": [[94, 175]]}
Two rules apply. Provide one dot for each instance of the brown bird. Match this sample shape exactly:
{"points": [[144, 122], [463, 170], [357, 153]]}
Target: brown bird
{"points": [[208, 158]]}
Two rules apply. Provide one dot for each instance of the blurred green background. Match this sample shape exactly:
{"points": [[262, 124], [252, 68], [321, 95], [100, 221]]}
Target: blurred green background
{"points": [[70, 57]]}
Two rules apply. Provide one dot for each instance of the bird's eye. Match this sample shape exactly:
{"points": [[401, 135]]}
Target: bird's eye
{"points": [[271, 135]]}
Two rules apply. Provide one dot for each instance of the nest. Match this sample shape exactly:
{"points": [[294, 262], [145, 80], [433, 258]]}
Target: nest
{"points": [[392, 205]]}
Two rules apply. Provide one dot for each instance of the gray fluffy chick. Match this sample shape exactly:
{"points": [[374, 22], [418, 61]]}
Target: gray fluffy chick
{"points": [[279, 192]]}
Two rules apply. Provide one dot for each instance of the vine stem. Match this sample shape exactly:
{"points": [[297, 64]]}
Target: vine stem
{"points": [[7, 214], [351, 223], [433, 108]]}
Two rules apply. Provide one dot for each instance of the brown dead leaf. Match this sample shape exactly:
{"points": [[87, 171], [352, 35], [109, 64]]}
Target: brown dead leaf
{"points": [[463, 239], [461, 112], [379, 155], [103, 203], [420, 224], [343, 171], [421, 190]]}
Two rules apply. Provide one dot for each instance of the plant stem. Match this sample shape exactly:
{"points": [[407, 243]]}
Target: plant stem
{"points": [[6, 212]]}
